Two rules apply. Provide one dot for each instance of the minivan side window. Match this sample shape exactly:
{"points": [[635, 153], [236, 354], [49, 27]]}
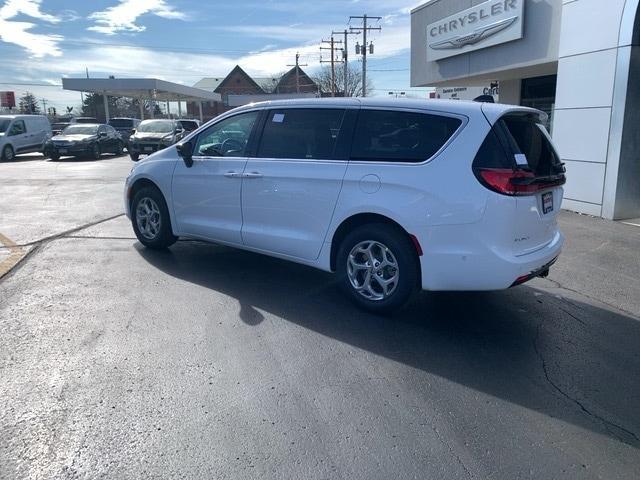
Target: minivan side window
{"points": [[301, 133], [399, 136], [18, 128], [228, 137]]}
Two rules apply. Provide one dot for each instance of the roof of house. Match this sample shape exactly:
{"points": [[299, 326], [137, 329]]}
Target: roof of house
{"points": [[209, 83]]}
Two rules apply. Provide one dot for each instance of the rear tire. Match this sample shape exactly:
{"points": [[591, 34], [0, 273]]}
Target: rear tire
{"points": [[378, 267], [119, 148], [134, 156], [150, 219], [7, 154], [54, 156]]}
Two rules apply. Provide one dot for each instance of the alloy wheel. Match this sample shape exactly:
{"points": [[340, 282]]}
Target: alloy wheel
{"points": [[373, 270], [148, 218]]}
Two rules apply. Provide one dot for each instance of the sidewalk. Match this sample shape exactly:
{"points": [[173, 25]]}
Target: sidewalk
{"points": [[601, 260]]}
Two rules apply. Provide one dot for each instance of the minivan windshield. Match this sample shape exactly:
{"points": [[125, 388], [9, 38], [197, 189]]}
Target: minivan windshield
{"points": [[81, 130], [156, 126], [4, 124]]}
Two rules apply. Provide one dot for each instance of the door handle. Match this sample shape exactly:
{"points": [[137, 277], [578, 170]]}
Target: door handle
{"points": [[252, 175], [233, 174]]}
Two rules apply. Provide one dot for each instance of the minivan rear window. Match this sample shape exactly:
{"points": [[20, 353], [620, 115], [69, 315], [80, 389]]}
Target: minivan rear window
{"points": [[528, 136], [397, 136]]}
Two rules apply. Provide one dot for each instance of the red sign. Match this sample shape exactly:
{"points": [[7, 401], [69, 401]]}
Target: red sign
{"points": [[7, 99]]}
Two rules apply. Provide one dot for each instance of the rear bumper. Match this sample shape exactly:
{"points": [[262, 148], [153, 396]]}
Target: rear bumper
{"points": [[472, 265]]}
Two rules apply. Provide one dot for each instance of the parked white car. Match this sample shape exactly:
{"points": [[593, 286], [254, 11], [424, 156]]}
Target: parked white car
{"points": [[391, 195], [22, 134]]}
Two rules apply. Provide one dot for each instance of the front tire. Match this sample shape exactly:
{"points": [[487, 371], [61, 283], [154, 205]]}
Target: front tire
{"points": [[119, 149], [96, 153], [7, 153], [378, 267], [150, 219]]}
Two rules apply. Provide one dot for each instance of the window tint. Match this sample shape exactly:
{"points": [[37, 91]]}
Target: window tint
{"points": [[227, 138], [18, 128], [492, 154], [529, 136], [400, 136], [301, 133]]}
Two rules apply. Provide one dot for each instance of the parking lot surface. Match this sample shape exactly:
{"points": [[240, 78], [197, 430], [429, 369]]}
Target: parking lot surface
{"points": [[208, 362]]}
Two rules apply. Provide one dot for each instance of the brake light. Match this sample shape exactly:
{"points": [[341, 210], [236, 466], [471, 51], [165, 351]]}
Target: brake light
{"points": [[516, 182]]}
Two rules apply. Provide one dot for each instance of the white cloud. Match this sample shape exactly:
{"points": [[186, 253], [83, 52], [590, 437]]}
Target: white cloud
{"points": [[18, 33], [122, 17]]}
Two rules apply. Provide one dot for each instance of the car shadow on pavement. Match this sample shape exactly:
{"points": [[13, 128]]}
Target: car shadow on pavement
{"points": [[563, 358], [27, 158]]}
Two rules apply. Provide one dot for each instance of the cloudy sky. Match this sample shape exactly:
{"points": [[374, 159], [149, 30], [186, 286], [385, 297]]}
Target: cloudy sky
{"points": [[185, 40]]}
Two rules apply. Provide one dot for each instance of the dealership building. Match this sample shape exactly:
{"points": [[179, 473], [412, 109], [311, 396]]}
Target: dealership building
{"points": [[577, 60]]}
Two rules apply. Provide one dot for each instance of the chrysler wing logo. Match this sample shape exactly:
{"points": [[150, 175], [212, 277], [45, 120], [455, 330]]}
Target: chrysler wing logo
{"points": [[476, 36]]}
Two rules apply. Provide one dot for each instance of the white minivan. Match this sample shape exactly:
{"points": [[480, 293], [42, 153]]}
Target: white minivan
{"points": [[393, 196], [22, 134]]}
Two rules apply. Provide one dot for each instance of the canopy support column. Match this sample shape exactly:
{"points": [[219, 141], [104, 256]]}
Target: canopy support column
{"points": [[200, 109], [105, 99]]}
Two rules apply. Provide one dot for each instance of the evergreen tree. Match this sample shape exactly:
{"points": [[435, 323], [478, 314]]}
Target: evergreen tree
{"points": [[28, 104]]}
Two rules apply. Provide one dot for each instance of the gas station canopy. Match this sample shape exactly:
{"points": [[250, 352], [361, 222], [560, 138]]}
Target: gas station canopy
{"points": [[142, 88]]}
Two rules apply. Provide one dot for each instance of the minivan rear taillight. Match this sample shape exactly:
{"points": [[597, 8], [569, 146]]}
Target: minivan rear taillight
{"points": [[508, 181]]}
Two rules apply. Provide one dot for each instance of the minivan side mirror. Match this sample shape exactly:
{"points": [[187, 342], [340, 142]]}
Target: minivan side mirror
{"points": [[185, 150]]}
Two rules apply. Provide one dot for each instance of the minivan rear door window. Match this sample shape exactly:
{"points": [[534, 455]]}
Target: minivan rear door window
{"points": [[401, 136]]}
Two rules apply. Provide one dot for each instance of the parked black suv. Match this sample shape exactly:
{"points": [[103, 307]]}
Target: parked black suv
{"points": [[154, 135], [125, 127]]}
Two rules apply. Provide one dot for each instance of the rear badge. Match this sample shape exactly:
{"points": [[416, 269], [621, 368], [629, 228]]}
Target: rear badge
{"points": [[547, 202]]}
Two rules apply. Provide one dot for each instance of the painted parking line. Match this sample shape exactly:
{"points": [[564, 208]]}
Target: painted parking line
{"points": [[10, 254]]}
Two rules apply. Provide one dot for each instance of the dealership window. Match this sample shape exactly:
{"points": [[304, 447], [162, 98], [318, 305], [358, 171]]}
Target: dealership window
{"points": [[540, 93], [383, 135], [301, 133]]}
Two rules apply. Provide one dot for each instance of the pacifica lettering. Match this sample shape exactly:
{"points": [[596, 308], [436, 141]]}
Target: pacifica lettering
{"points": [[473, 17]]}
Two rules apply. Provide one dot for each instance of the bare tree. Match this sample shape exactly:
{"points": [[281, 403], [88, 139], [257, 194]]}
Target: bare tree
{"points": [[269, 84], [354, 80]]}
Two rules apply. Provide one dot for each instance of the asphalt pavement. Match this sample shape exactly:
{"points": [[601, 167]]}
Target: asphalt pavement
{"points": [[208, 362]]}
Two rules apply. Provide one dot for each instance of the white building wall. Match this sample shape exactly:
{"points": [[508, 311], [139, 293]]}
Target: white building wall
{"points": [[588, 51]]}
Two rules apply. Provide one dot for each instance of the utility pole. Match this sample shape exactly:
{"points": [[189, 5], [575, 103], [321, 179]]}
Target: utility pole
{"points": [[44, 105], [332, 42], [345, 59], [297, 65], [364, 29]]}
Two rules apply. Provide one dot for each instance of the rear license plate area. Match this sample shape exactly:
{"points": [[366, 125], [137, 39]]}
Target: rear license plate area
{"points": [[62, 151], [148, 149], [547, 202]]}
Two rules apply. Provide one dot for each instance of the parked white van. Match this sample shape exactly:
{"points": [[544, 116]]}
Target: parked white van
{"points": [[393, 196], [22, 134]]}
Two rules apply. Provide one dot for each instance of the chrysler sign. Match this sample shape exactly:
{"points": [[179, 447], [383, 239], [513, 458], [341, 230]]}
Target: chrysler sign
{"points": [[487, 24]]}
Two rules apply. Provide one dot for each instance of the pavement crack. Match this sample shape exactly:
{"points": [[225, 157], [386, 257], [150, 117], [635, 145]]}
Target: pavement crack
{"points": [[577, 319], [453, 452], [67, 233], [562, 287], [609, 425]]}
